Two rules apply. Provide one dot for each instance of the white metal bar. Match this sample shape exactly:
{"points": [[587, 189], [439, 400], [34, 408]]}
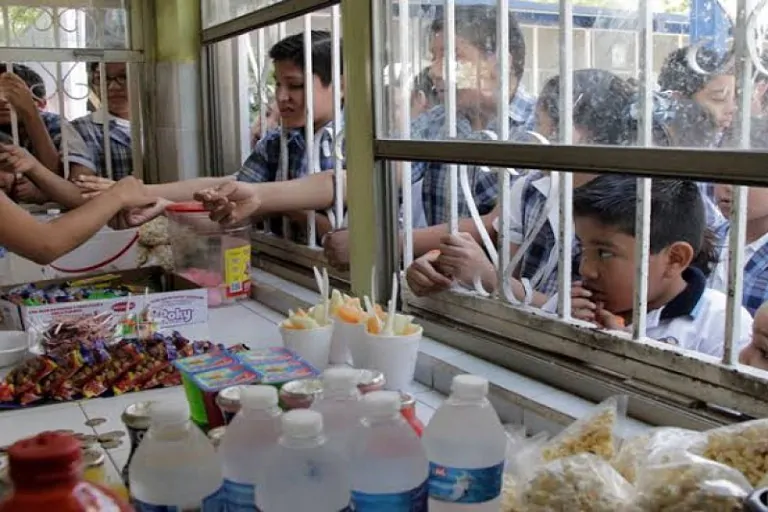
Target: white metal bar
{"points": [[449, 38], [104, 92], [9, 68], [404, 35], [281, 31], [68, 55], [502, 237], [338, 119], [643, 206], [75, 4], [309, 125], [263, 99], [281, 34], [565, 227], [535, 60], [242, 57], [135, 78], [738, 221]]}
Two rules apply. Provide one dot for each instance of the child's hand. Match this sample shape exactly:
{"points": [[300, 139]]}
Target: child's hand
{"points": [[15, 91], [423, 278], [93, 185], [582, 306], [462, 258], [15, 159], [231, 202], [608, 320]]}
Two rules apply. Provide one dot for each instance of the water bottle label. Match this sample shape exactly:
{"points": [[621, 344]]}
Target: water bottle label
{"points": [[458, 485], [414, 500], [213, 503], [239, 497]]}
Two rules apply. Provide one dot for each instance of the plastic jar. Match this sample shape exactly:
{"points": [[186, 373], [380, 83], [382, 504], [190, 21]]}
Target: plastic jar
{"points": [[210, 255], [46, 471]]}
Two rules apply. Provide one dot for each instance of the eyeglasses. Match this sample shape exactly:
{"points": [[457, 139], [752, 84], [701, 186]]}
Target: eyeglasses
{"points": [[118, 80]]}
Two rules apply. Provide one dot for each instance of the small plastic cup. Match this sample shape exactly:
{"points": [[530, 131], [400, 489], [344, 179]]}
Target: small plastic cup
{"points": [[345, 337], [313, 345], [394, 356]]}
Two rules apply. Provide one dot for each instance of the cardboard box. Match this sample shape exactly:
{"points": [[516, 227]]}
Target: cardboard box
{"points": [[106, 251], [182, 303]]}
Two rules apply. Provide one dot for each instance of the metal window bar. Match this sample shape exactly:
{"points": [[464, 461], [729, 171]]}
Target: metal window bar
{"points": [[565, 226], [741, 130], [406, 66], [103, 86], [309, 125], [338, 117], [9, 68], [502, 239], [135, 79], [643, 207], [449, 38]]}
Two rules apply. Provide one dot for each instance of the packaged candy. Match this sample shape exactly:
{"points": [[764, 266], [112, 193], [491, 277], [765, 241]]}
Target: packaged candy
{"points": [[124, 358], [27, 376], [67, 367], [135, 379], [204, 362]]}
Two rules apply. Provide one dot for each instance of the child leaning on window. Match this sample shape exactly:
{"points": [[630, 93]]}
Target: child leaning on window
{"points": [[681, 310]]}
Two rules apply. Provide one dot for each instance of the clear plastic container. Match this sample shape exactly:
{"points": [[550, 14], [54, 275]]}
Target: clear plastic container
{"points": [[211, 255], [466, 446]]}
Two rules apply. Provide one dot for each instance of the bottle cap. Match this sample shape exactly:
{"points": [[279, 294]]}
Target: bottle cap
{"points": [[469, 386], [340, 379], [381, 404], [302, 424], [169, 414], [258, 397], [45, 458]]}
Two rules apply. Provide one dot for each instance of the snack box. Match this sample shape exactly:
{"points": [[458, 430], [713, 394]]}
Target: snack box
{"points": [[204, 362], [277, 365], [181, 303]]}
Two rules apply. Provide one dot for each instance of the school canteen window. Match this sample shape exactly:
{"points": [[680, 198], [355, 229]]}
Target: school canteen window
{"points": [[547, 243], [81, 61]]}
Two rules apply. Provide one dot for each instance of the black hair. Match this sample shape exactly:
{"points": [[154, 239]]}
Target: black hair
{"points": [[291, 49], [679, 75], [687, 124], [709, 253], [476, 24], [423, 83], [601, 102], [677, 208], [33, 80]]}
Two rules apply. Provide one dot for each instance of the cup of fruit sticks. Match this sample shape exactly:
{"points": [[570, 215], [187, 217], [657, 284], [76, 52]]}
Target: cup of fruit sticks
{"points": [[309, 335], [348, 318]]}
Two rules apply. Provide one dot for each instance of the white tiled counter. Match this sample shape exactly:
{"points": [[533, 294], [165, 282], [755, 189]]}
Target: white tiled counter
{"points": [[246, 322]]}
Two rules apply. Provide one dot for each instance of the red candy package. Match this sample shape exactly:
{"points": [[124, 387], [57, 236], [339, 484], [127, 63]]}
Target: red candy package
{"points": [[68, 367], [124, 358], [6, 392], [135, 379], [27, 376]]}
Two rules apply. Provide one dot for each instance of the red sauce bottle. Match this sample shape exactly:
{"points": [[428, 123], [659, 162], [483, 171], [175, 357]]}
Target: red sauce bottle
{"points": [[46, 471]]}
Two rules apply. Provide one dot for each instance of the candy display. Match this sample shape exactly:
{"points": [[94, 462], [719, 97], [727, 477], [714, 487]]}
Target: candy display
{"points": [[103, 287], [89, 369], [85, 334]]}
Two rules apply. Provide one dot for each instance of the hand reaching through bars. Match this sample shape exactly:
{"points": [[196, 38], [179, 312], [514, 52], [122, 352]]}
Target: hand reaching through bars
{"points": [[463, 259], [232, 202], [136, 216], [93, 185], [17, 160], [15, 91], [423, 276]]}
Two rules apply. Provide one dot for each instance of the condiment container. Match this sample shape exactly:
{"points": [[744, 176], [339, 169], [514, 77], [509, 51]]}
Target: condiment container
{"points": [[299, 394], [46, 471], [228, 401], [371, 380], [408, 410]]}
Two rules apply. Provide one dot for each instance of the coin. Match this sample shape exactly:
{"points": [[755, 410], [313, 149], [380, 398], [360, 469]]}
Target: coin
{"points": [[109, 445], [95, 422]]}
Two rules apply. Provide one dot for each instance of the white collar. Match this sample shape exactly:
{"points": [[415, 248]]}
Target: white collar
{"points": [[98, 118]]}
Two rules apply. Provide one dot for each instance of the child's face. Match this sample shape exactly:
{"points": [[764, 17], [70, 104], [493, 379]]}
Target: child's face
{"points": [[289, 93], [757, 201], [607, 266], [717, 96]]}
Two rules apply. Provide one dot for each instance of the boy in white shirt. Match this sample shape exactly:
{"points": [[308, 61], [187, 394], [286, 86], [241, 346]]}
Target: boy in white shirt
{"points": [[681, 310]]}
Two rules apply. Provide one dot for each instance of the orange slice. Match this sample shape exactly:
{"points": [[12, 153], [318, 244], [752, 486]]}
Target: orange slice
{"points": [[373, 325], [349, 315]]}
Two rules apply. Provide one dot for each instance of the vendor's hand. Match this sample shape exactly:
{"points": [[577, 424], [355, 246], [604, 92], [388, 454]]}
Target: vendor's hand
{"points": [[132, 193], [462, 258], [93, 185], [582, 306], [336, 248], [135, 217], [15, 91], [17, 160], [423, 277], [24, 191], [231, 202]]}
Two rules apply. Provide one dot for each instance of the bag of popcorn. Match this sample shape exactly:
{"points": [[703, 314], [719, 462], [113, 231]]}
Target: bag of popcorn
{"points": [[523, 453], [593, 433], [743, 446], [634, 452]]}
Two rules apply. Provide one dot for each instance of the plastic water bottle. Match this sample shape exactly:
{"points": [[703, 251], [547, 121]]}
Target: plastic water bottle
{"points": [[339, 403], [175, 468], [466, 446], [303, 473], [252, 433], [388, 465]]}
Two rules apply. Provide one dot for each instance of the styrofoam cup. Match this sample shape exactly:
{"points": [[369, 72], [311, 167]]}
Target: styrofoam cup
{"points": [[345, 336], [314, 345], [394, 356]]}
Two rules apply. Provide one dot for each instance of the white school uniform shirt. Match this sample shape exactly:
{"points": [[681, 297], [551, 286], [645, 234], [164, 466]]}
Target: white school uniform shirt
{"points": [[719, 278], [693, 320]]}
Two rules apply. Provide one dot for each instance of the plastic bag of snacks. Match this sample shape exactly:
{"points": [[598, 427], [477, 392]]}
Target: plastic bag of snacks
{"points": [[634, 452], [676, 480], [740, 446], [593, 433], [581, 483], [522, 454]]}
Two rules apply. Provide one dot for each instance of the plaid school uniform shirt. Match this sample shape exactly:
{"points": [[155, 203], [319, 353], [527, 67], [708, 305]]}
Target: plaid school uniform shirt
{"points": [[435, 176], [58, 129], [264, 164], [755, 291], [91, 129]]}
